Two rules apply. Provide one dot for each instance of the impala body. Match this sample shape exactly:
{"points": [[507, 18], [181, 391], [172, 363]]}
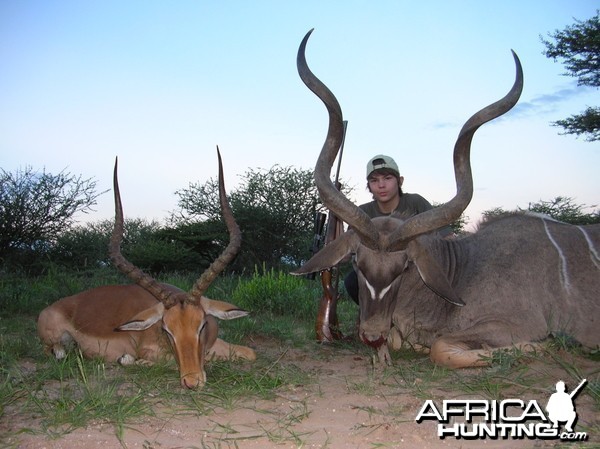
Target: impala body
{"points": [[517, 280], [142, 322]]}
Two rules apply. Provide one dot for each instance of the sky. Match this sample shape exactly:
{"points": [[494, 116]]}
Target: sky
{"points": [[161, 84]]}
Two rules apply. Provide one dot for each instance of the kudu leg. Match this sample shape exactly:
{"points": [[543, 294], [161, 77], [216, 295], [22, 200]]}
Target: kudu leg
{"points": [[475, 346]]}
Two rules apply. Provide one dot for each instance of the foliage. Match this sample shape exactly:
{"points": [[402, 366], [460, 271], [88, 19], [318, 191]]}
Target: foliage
{"points": [[560, 208], [36, 207], [83, 246], [205, 240], [588, 122], [147, 245], [579, 46], [493, 213], [274, 209], [458, 225], [28, 295], [563, 209], [273, 292]]}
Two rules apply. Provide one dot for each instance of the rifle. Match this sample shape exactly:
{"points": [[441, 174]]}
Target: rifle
{"points": [[327, 326], [576, 390], [317, 238]]}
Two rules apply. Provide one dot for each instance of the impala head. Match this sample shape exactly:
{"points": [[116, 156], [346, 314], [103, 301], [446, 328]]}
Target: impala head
{"points": [[384, 247], [187, 317]]}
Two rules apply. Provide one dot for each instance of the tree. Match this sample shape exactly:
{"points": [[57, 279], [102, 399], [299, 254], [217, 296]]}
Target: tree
{"points": [[579, 47], [564, 209], [458, 225], [84, 246], [36, 207], [148, 245], [561, 208], [274, 209]]}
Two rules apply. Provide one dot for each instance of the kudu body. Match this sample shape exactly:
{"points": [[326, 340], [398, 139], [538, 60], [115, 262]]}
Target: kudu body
{"points": [[517, 280], [142, 322]]}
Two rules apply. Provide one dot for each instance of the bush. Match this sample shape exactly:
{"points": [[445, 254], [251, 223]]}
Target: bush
{"points": [[276, 293], [35, 208], [28, 295]]}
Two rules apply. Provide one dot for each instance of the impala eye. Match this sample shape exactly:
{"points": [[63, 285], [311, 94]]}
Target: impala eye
{"points": [[202, 327]]}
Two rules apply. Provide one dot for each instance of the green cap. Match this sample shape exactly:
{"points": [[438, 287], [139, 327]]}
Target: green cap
{"points": [[382, 161]]}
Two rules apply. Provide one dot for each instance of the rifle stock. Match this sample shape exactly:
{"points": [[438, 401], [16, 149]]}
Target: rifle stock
{"points": [[327, 326]]}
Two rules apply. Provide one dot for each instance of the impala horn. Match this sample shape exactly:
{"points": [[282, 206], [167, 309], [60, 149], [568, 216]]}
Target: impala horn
{"points": [[170, 298]]}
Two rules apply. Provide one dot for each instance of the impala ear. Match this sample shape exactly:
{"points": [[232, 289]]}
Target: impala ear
{"points": [[431, 273], [144, 319], [331, 254], [221, 309]]}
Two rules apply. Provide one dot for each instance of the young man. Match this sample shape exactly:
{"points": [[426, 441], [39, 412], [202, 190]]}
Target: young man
{"points": [[385, 184]]}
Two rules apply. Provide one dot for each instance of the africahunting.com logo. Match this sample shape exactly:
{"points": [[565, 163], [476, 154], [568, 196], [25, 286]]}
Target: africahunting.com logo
{"points": [[506, 419]]}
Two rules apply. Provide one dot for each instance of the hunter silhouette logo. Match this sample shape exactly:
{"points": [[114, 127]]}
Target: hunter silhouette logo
{"points": [[506, 419], [560, 406]]}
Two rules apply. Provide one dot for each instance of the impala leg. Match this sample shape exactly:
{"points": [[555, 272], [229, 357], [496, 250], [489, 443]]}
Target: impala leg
{"points": [[55, 332], [222, 350]]}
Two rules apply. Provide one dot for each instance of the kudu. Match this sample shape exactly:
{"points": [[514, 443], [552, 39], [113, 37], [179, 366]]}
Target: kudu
{"points": [[516, 281], [142, 322]]}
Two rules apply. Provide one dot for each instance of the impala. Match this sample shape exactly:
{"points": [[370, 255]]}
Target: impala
{"points": [[148, 320]]}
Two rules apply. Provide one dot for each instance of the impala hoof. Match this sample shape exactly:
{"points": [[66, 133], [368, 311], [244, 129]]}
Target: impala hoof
{"points": [[59, 353], [126, 359]]}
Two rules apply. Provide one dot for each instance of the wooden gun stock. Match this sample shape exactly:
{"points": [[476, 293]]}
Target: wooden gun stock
{"points": [[327, 326]]}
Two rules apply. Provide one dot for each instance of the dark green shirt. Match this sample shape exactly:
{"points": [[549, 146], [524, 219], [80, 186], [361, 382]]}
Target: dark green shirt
{"points": [[410, 204]]}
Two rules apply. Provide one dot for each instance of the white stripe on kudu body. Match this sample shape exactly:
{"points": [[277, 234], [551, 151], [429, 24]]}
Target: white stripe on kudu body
{"points": [[594, 255], [564, 273]]}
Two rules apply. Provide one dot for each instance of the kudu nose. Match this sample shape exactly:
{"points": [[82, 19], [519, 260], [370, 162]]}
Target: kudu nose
{"points": [[373, 340]]}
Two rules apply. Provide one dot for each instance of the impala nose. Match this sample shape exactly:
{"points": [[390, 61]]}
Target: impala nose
{"points": [[193, 381]]}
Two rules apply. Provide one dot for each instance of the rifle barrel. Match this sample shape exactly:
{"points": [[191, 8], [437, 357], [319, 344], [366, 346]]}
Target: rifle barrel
{"points": [[576, 390]]}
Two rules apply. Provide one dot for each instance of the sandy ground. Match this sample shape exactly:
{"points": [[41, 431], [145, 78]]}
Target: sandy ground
{"points": [[349, 405]]}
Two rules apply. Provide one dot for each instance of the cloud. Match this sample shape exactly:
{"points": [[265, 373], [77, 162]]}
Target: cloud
{"points": [[550, 103], [554, 103]]}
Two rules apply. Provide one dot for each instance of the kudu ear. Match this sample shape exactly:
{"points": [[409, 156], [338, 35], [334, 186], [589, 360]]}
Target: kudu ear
{"points": [[431, 273], [221, 309], [144, 319], [331, 254]]}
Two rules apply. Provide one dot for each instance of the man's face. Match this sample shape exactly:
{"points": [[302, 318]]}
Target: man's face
{"points": [[384, 187]]}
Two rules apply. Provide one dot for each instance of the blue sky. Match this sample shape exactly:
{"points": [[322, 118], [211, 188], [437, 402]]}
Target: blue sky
{"points": [[160, 84]]}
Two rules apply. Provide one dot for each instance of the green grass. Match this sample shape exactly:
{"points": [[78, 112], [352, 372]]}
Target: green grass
{"points": [[62, 395], [56, 397], [85, 392]]}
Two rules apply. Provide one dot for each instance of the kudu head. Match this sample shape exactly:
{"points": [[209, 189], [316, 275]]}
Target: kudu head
{"points": [[384, 247], [187, 317]]}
